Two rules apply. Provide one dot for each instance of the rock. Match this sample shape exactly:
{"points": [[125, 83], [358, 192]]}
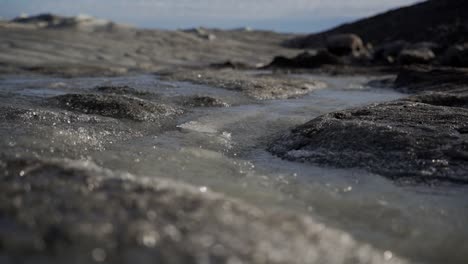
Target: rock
{"points": [[231, 65], [201, 33], [432, 46], [61, 210], [454, 98], [72, 135], [385, 82], [401, 140], [81, 22], [115, 106], [456, 56], [345, 44], [416, 56], [419, 79], [204, 101], [121, 89], [48, 117], [389, 52], [306, 60], [258, 86], [42, 20]]}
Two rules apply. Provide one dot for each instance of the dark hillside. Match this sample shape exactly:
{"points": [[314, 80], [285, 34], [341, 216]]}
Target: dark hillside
{"points": [[441, 21]]}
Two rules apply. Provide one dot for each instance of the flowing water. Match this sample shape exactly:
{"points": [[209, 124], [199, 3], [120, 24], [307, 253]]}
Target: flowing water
{"points": [[223, 149]]}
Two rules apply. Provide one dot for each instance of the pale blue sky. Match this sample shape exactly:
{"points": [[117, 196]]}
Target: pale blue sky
{"points": [[279, 15]]}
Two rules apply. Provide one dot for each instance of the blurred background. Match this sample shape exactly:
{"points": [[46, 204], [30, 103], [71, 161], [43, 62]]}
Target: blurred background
{"points": [[277, 15]]}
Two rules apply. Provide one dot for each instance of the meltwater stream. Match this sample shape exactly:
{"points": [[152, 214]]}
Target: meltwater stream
{"points": [[223, 149]]}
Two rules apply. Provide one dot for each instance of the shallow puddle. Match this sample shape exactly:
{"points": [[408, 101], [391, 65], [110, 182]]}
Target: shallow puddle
{"points": [[223, 149]]}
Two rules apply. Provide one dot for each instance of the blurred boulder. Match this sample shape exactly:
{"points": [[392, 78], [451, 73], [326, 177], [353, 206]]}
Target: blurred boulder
{"points": [[201, 33], [434, 47], [306, 60], [345, 44], [388, 52], [416, 56], [456, 56]]}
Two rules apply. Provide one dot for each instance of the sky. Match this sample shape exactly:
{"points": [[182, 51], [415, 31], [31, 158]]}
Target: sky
{"points": [[278, 15]]}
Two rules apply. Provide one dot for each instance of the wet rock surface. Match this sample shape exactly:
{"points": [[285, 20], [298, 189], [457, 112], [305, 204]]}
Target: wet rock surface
{"points": [[420, 139], [148, 198], [217, 148], [401, 140], [66, 210], [203, 101], [259, 86], [115, 106], [454, 98], [73, 135], [122, 89]]}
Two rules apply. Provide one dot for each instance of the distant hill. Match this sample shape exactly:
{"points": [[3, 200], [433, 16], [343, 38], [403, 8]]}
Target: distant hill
{"points": [[81, 22], [441, 21]]}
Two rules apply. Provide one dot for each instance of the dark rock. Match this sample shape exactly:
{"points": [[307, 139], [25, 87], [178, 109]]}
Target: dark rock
{"points": [[432, 46], [381, 83], [456, 56], [345, 44], [454, 98], [389, 52], [401, 140], [78, 211], [306, 60], [416, 56], [231, 65], [115, 106], [418, 79], [41, 18]]}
